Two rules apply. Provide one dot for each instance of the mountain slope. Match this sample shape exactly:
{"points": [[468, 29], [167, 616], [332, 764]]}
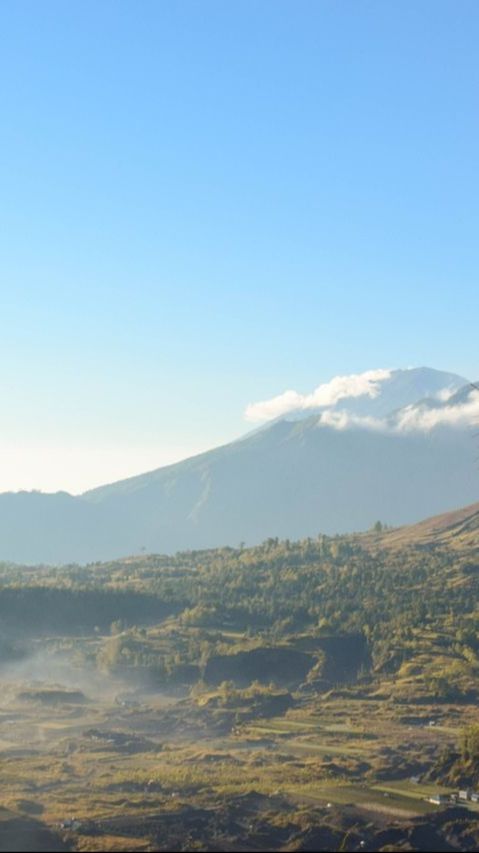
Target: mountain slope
{"points": [[297, 479], [334, 472]]}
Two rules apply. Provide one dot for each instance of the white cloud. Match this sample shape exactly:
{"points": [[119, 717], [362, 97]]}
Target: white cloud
{"points": [[424, 418], [415, 418], [341, 419], [445, 394], [327, 394]]}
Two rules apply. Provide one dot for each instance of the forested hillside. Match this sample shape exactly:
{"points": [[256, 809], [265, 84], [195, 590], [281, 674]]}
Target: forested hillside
{"points": [[295, 695], [412, 595]]}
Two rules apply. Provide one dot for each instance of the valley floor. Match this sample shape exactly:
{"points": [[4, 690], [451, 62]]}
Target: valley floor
{"points": [[332, 772]]}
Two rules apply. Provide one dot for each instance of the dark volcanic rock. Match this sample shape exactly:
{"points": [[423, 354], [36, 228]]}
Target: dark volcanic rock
{"points": [[277, 664]]}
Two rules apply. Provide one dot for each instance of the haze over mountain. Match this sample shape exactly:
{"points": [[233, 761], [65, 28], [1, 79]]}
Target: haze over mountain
{"points": [[394, 445]]}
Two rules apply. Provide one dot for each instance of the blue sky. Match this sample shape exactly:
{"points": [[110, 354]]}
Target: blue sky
{"points": [[206, 203]]}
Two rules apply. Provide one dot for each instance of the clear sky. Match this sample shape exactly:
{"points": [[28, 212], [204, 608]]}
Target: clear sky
{"points": [[203, 204]]}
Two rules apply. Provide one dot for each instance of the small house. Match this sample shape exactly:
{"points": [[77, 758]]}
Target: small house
{"points": [[439, 799]]}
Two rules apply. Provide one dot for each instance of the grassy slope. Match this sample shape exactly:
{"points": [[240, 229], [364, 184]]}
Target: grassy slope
{"points": [[458, 529]]}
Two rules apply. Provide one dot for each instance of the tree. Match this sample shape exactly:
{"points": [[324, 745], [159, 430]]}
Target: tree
{"points": [[470, 744]]}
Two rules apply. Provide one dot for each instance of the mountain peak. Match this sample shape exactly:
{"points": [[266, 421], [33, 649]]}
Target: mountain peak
{"points": [[373, 393]]}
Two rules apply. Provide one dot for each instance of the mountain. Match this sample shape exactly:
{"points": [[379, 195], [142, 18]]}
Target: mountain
{"points": [[401, 451], [53, 528]]}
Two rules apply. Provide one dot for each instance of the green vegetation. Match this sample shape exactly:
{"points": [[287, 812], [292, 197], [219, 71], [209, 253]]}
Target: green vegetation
{"points": [[414, 608], [293, 689]]}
